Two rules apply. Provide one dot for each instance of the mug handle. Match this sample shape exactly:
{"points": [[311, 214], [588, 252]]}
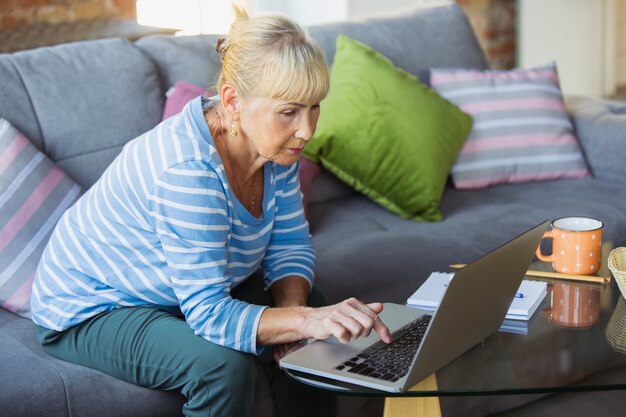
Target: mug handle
{"points": [[550, 258]]}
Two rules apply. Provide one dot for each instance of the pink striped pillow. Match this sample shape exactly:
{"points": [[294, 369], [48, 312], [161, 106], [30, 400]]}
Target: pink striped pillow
{"points": [[522, 131], [34, 193], [180, 94]]}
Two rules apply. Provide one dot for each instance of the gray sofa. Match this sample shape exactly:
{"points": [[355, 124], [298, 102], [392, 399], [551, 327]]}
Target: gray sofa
{"points": [[80, 103]]}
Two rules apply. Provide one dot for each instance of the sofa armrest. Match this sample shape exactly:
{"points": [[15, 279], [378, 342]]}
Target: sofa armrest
{"points": [[601, 129]]}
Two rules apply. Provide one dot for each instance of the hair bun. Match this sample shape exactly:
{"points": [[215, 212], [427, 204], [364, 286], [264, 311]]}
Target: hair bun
{"points": [[222, 45]]}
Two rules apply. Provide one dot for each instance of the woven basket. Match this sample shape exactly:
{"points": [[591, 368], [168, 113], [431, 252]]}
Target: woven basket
{"points": [[616, 329], [617, 265]]}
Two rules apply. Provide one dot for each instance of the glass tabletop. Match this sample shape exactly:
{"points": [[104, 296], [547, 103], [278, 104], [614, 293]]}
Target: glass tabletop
{"points": [[575, 341]]}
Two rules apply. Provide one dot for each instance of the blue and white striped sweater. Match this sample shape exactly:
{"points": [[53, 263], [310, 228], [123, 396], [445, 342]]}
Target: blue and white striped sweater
{"points": [[163, 228]]}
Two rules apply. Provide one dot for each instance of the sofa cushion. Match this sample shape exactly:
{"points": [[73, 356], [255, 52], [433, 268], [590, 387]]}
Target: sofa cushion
{"points": [[15, 103], [189, 58], [415, 41], [522, 131], [37, 384], [326, 187], [31, 385], [33, 195], [601, 127], [307, 172], [387, 135], [88, 98], [365, 251]]}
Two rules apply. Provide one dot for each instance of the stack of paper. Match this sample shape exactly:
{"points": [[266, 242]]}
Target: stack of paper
{"points": [[529, 296], [514, 326]]}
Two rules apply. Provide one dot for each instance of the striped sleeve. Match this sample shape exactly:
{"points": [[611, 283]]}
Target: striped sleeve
{"points": [[192, 218], [290, 251]]}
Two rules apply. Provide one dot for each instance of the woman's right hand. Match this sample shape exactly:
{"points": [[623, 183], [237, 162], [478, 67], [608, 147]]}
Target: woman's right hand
{"points": [[347, 321]]}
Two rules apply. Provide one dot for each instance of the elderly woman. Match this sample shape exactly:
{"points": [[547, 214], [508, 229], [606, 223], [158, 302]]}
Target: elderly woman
{"points": [[150, 277]]}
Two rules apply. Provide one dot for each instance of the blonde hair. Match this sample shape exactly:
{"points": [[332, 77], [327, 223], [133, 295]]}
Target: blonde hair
{"points": [[272, 56]]}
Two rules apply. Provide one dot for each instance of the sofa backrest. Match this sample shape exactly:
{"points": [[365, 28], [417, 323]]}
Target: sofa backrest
{"points": [[81, 102], [415, 41], [189, 58]]}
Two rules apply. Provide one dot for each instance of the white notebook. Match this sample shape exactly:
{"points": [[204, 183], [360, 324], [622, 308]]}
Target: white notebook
{"points": [[528, 298]]}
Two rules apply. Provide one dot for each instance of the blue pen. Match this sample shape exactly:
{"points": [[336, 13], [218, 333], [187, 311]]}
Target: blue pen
{"points": [[519, 295]]}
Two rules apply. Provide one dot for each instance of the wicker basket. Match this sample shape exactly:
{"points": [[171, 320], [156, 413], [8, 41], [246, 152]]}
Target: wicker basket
{"points": [[617, 265], [616, 329]]}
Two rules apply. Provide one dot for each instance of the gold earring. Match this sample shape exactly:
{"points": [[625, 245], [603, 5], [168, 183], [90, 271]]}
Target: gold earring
{"points": [[233, 130]]}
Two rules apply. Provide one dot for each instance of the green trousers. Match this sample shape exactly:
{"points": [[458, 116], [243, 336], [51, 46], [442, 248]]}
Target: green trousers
{"points": [[156, 349]]}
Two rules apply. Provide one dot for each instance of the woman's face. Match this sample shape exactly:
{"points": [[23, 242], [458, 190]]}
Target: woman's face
{"points": [[277, 129]]}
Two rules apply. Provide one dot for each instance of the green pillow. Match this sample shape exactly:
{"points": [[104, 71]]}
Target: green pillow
{"points": [[386, 134]]}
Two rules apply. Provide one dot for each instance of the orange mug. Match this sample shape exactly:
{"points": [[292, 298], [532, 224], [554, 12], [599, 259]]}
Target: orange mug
{"points": [[576, 245]]}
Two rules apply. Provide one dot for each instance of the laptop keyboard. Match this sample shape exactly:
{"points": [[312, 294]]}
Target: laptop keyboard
{"points": [[389, 362]]}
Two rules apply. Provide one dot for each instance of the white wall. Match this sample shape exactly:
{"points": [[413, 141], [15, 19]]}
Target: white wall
{"points": [[369, 8], [313, 12], [621, 43], [580, 35], [305, 12]]}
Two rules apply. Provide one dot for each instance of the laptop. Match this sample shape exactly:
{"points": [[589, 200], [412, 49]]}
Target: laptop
{"points": [[472, 309]]}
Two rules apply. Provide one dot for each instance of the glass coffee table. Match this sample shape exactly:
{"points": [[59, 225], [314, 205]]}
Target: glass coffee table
{"points": [[572, 341]]}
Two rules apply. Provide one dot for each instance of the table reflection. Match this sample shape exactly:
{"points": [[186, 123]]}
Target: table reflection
{"points": [[572, 305], [616, 329]]}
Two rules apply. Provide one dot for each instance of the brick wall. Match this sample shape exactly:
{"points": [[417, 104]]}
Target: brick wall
{"points": [[495, 24], [18, 13]]}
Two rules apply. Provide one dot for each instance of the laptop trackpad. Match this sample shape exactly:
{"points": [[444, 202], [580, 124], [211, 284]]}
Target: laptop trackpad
{"points": [[326, 354]]}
